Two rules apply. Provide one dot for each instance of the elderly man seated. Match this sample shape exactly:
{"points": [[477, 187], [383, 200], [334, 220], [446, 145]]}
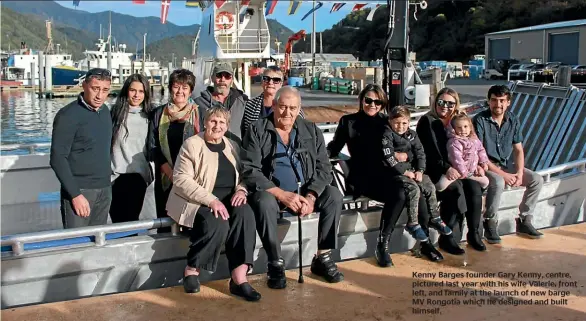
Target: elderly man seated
{"points": [[278, 153]]}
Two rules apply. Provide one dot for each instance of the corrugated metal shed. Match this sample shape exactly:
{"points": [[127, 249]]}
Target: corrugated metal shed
{"points": [[547, 26]]}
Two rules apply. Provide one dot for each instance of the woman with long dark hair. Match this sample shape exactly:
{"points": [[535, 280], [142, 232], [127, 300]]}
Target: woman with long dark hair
{"points": [[131, 170], [362, 133]]}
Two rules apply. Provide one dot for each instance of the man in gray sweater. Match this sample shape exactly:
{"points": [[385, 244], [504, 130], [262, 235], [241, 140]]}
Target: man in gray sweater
{"points": [[80, 153]]}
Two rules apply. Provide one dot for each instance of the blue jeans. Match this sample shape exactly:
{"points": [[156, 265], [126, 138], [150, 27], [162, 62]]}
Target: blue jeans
{"points": [[99, 200]]}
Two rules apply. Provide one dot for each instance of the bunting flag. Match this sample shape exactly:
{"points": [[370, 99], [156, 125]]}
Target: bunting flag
{"points": [[317, 6], [139, 1], [337, 6], [293, 6], [244, 4], [76, 3], [190, 4], [165, 4], [358, 6], [371, 13], [271, 4], [219, 3]]}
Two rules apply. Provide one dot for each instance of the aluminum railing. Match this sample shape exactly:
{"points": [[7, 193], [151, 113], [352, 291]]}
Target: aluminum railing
{"points": [[99, 233], [546, 173]]}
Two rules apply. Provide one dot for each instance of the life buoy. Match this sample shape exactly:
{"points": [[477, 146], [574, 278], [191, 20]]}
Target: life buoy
{"points": [[224, 20]]}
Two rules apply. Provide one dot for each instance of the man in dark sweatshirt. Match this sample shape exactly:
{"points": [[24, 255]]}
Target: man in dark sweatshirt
{"points": [[80, 153], [222, 94]]}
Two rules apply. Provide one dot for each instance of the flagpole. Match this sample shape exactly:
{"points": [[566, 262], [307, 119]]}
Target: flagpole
{"points": [[313, 44]]}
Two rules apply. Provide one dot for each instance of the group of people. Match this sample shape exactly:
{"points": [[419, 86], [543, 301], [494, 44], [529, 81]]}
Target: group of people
{"points": [[226, 166]]}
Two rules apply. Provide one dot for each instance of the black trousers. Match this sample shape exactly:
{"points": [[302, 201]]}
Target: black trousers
{"points": [[209, 234], [462, 197], [161, 198], [266, 208], [128, 191], [385, 189]]}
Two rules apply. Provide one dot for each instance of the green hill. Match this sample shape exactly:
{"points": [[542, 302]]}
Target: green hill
{"points": [[125, 28], [34, 35]]}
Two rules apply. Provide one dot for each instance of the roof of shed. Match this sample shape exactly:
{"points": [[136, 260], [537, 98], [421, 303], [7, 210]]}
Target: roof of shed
{"points": [[553, 25]]}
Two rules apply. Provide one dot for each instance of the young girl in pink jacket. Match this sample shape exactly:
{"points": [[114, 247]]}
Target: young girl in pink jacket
{"points": [[465, 152]]}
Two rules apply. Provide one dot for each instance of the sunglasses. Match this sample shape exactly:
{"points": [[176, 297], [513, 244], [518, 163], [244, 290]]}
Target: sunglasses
{"points": [[445, 103], [224, 75], [369, 101], [276, 80], [99, 72]]}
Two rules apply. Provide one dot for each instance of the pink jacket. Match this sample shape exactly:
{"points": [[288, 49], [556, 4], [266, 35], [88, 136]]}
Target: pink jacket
{"points": [[465, 153]]}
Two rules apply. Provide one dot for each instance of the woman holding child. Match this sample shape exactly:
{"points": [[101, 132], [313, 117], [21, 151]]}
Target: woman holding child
{"points": [[459, 192], [362, 133]]}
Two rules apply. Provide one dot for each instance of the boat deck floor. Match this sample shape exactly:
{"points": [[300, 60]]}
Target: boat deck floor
{"points": [[373, 293]]}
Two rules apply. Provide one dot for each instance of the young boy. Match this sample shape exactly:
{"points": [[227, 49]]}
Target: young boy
{"points": [[399, 138]]}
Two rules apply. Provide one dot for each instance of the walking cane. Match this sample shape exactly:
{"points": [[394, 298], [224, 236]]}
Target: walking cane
{"points": [[300, 239]]}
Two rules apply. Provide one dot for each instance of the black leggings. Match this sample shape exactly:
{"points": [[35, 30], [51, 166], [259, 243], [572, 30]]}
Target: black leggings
{"points": [[128, 191], [463, 196]]}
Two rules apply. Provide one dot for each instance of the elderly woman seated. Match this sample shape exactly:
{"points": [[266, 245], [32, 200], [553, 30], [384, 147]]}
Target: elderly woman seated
{"points": [[207, 197]]}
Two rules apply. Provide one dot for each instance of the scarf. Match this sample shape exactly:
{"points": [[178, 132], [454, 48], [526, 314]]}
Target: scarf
{"points": [[187, 115]]}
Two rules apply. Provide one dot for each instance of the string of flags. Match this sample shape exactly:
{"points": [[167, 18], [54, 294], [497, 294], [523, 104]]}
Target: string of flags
{"points": [[294, 6]]}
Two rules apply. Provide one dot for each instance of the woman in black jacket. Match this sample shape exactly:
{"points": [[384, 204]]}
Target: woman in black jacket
{"points": [[170, 125], [362, 132], [463, 196]]}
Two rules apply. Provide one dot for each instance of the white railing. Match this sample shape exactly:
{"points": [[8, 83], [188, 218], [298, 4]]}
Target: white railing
{"points": [[258, 43]]}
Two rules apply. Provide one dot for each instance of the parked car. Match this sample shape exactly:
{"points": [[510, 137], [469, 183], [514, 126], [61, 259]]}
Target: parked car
{"points": [[520, 71]]}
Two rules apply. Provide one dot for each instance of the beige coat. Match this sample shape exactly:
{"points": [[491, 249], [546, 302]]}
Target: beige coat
{"points": [[194, 177]]}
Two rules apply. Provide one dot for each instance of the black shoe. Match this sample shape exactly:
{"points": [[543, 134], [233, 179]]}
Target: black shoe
{"points": [[276, 274], [491, 232], [525, 228], [431, 252], [244, 290], [191, 284], [323, 265], [382, 254], [473, 238], [448, 244]]}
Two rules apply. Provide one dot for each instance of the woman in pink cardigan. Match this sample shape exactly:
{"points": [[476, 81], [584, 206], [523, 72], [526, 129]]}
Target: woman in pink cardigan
{"points": [[465, 152], [207, 197]]}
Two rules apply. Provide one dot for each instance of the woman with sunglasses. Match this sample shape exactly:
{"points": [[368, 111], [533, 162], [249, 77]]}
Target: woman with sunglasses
{"points": [[261, 105], [171, 124], [362, 132], [131, 170], [463, 196]]}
